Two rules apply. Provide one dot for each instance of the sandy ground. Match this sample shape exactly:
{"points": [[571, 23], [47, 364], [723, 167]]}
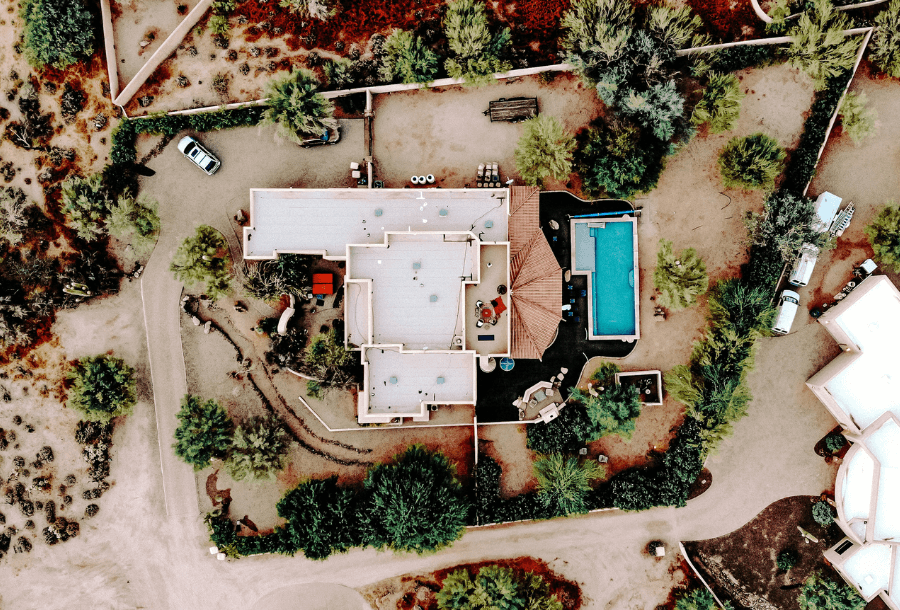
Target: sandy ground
{"points": [[443, 131], [139, 21]]}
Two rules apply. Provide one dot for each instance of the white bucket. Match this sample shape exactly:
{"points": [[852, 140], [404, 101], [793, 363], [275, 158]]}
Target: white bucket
{"points": [[421, 179], [429, 178], [414, 180]]}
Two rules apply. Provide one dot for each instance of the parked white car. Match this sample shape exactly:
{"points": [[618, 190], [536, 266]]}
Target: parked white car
{"points": [[202, 158], [787, 311]]}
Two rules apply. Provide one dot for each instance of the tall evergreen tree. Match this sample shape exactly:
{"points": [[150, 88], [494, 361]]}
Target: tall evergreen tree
{"points": [[201, 258], [544, 150], [103, 387], [204, 431], [818, 45], [476, 54], [408, 59], [57, 32], [885, 45], [884, 235]]}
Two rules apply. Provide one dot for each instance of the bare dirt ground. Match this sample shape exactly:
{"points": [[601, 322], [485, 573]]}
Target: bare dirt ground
{"points": [[136, 22], [444, 132]]}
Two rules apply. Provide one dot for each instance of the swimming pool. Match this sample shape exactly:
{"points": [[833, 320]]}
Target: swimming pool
{"points": [[606, 251]]}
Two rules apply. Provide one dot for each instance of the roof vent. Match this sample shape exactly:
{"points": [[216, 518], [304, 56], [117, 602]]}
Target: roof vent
{"points": [[444, 212], [440, 380], [488, 224], [433, 298], [393, 380], [417, 265], [379, 212]]}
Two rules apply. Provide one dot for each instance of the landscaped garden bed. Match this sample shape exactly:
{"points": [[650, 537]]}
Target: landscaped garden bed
{"points": [[742, 566]]}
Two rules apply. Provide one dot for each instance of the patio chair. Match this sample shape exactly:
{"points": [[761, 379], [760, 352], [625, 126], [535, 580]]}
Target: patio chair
{"points": [[479, 304]]}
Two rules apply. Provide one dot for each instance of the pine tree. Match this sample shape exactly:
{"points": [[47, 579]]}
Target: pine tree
{"points": [[858, 121], [259, 449], [297, 108], [884, 235], [680, 278], [596, 34], [103, 387], [476, 54], [885, 45], [57, 33], [544, 150], [407, 59], [818, 45], [720, 106], [673, 26], [820, 592], [204, 432], [752, 162], [201, 258], [135, 220]]}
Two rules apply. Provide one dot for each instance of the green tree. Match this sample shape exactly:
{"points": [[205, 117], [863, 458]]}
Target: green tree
{"points": [[564, 484], [258, 449], [408, 59], [752, 162], [495, 587], [821, 592], [818, 45], [297, 108], [673, 26], [680, 278], [720, 106], [326, 359], [544, 150], [475, 54], [698, 599], [415, 504], [785, 224], [204, 432], [738, 308], [135, 220], [85, 202], [885, 45], [884, 235], [596, 34], [617, 160], [103, 387], [614, 408], [657, 108], [202, 258], [57, 32], [320, 518], [567, 432], [857, 120]]}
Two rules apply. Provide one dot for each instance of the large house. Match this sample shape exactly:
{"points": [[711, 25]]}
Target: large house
{"points": [[861, 388], [437, 281]]}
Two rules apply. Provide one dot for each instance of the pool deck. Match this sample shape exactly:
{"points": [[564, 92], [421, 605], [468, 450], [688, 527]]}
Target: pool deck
{"points": [[586, 268]]}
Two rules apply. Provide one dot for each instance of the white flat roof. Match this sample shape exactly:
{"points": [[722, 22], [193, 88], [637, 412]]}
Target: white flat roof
{"points": [[417, 287], [325, 221], [870, 569], [399, 382], [827, 205]]}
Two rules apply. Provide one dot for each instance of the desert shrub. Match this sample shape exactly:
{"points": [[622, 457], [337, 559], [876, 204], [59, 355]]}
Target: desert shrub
{"points": [[258, 449], [337, 73], [686, 452], [822, 592], [326, 359], [596, 34], [204, 431], [103, 387], [91, 510], [57, 32], [323, 10], [751, 162], [407, 59], [218, 25], [787, 559], [823, 513], [497, 587], [818, 45], [544, 150], [14, 215], [720, 106], [612, 411], [884, 235], [320, 518], [135, 220], [885, 45], [639, 489], [415, 504], [297, 108], [568, 432], [202, 259], [268, 280], [698, 599], [736, 307], [618, 160], [858, 121], [564, 483], [475, 54], [834, 442], [733, 59], [85, 202], [674, 27], [680, 278]]}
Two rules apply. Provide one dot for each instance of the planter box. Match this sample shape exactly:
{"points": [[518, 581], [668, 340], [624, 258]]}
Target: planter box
{"points": [[648, 383]]}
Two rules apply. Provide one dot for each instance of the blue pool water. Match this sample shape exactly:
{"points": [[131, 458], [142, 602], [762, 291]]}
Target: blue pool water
{"points": [[612, 279]]}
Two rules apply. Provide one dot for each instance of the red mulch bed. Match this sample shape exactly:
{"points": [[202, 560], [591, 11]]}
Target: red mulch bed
{"points": [[727, 20]]}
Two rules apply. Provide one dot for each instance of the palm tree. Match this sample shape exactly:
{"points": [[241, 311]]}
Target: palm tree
{"points": [[296, 106], [680, 278], [721, 103], [564, 484]]}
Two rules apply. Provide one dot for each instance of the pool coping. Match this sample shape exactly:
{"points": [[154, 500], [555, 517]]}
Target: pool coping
{"points": [[590, 292]]}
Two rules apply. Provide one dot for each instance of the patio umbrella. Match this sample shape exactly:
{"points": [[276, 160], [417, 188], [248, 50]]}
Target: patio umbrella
{"points": [[535, 298]]}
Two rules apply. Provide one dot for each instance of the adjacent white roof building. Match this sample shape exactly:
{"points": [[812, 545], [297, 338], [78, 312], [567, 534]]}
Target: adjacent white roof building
{"points": [[420, 265], [860, 388]]}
